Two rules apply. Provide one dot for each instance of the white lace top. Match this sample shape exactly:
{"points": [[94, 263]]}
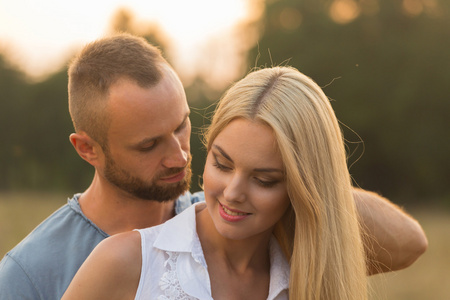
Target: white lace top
{"points": [[174, 267]]}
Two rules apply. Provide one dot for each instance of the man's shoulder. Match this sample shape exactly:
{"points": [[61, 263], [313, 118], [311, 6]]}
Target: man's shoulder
{"points": [[187, 199], [65, 224], [43, 234], [52, 252]]}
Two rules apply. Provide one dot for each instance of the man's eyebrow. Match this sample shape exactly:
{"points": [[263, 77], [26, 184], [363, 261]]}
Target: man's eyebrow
{"points": [[268, 170], [186, 117], [152, 139]]}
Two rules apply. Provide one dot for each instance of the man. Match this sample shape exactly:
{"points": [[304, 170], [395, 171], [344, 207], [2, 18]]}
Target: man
{"points": [[132, 125]]}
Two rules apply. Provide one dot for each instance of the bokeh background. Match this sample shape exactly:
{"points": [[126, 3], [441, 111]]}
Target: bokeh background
{"points": [[384, 64]]}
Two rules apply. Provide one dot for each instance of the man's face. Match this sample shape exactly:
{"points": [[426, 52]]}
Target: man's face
{"points": [[148, 153], [141, 189]]}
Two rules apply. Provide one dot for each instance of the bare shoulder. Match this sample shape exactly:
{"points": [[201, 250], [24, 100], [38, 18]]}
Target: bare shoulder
{"points": [[119, 249], [112, 270], [120, 256]]}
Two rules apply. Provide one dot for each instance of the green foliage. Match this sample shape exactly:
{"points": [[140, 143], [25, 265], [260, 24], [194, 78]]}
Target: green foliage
{"points": [[13, 92], [202, 104], [35, 125]]}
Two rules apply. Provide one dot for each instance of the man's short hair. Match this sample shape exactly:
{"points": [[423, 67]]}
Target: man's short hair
{"points": [[98, 66]]}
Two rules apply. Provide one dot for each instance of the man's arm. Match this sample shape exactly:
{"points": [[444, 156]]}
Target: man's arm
{"points": [[393, 240]]}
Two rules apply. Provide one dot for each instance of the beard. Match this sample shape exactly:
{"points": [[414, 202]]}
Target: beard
{"points": [[148, 190]]}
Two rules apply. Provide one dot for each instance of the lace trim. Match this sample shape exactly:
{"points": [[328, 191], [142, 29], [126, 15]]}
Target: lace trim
{"points": [[169, 283]]}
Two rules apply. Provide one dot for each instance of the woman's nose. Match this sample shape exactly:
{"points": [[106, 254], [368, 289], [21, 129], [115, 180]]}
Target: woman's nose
{"points": [[235, 191]]}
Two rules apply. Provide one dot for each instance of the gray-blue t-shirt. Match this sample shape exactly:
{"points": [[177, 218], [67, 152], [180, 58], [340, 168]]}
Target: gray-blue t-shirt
{"points": [[43, 264]]}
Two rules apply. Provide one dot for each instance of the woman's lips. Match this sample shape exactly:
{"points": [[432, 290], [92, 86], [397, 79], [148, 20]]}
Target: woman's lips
{"points": [[231, 215]]}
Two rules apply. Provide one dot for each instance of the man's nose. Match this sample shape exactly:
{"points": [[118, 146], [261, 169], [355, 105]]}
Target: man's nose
{"points": [[176, 156]]}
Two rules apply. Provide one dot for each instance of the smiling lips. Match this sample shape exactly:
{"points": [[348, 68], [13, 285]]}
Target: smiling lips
{"points": [[231, 215]]}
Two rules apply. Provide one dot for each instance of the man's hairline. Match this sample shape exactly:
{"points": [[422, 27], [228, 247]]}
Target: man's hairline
{"points": [[166, 70]]}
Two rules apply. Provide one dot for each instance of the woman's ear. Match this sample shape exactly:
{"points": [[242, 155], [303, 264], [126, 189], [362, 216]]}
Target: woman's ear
{"points": [[86, 147]]}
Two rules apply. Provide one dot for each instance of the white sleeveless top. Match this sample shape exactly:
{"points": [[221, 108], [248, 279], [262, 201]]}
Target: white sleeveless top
{"points": [[174, 267]]}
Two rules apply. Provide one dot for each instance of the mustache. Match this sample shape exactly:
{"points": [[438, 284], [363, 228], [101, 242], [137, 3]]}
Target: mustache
{"points": [[174, 171]]}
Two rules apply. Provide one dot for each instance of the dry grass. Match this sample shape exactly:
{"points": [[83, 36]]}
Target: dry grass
{"points": [[20, 213], [428, 278]]}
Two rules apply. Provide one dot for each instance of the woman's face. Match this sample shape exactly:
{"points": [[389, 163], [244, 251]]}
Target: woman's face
{"points": [[244, 180]]}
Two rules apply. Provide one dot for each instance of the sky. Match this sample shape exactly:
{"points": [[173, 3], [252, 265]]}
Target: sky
{"points": [[40, 36]]}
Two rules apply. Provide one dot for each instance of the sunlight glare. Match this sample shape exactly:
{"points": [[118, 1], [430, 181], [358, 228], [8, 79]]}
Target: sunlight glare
{"points": [[196, 28], [40, 36], [412, 7], [344, 11]]}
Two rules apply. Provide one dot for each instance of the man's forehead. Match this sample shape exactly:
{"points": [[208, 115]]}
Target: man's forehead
{"points": [[142, 113]]}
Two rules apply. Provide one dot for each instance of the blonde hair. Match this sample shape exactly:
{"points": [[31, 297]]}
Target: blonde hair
{"points": [[320, 232], [98, 66]]}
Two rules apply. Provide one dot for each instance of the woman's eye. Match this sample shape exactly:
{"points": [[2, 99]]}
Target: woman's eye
{"points": [[221, 167], [266, 183]]}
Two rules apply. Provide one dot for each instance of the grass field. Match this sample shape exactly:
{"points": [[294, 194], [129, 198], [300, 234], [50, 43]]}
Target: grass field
{"points": [[428, 278]]}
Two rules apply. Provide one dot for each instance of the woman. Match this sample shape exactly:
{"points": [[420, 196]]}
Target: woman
{"points": [[279, 219]]}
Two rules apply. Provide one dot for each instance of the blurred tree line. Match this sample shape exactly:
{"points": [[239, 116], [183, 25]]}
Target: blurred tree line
{"points": [[385, 64]]}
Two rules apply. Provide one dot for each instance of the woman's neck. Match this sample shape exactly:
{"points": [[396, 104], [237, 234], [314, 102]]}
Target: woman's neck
{"points": [[237, 268], [239, 253]]}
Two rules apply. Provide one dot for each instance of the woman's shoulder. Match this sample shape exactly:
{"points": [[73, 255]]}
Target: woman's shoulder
{"points": [[120, 250], [111, 271]]}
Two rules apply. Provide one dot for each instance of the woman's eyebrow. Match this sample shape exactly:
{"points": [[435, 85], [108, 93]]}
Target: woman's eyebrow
{"points": [[268, 170], [224, 154]]}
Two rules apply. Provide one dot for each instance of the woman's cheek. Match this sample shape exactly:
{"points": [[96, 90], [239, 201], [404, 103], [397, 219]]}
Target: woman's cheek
{"points": [[209, 182]]}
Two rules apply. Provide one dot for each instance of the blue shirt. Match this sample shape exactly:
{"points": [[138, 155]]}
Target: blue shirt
{"points": [[43, 264]]}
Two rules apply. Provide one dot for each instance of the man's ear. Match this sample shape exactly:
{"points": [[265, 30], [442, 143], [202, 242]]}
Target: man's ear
{"points": [[86, 147]]}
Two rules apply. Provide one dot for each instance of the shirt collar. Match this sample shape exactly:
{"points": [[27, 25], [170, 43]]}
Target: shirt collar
{"points": [[179, 234], [74, 204], [185, 201]]}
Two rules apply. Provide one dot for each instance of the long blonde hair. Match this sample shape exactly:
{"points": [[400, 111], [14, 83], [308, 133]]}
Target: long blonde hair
{"points": [[320, 232]]}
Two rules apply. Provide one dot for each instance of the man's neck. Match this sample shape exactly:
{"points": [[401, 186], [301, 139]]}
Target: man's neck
{"points": [[114, 211]]}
